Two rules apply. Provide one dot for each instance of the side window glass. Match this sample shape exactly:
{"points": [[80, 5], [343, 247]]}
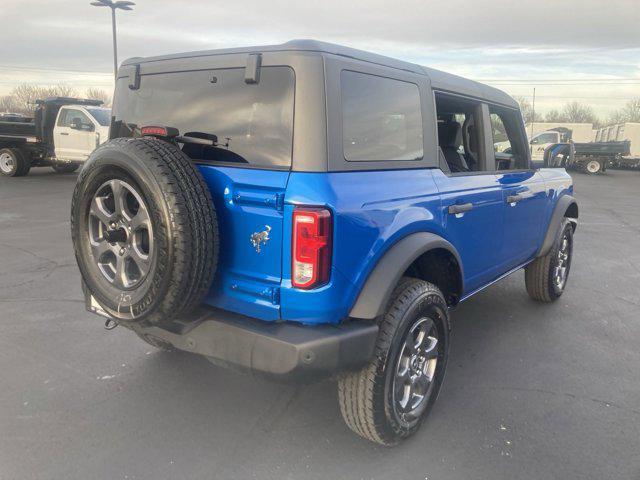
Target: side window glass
{"points": [[381, 118], [508, 142], [62, 118], [501, 141], [546, 138], [69, 116], [460, 130]]}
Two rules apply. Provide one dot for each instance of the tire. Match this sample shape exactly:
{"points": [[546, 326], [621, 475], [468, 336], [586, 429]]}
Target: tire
{"points": [[14, 162], [592, 167], [541, 275], [371, 399], [151, 259], [65, 167]]}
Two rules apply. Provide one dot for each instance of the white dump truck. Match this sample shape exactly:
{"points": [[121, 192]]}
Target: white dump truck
{"points": [[62, 134]]}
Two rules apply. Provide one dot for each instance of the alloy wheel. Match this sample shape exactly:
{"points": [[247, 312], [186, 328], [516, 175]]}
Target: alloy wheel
{"points": [[121, 234], [415, 370], [563, 260]]}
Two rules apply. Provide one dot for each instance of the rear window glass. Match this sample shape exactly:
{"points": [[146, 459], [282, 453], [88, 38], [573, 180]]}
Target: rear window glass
{"points": [[381, 118], [253, 123]]}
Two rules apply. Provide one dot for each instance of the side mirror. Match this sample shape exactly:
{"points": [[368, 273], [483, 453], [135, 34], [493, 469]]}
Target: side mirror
{"points": [[76, 124], [558, 155]]}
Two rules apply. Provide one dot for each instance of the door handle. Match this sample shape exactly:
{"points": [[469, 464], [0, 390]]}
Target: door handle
{"points": [[64, 133], [515, 198], [460, 208]]}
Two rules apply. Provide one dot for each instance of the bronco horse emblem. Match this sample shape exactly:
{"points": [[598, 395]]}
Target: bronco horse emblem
{"points": [[259, 238]]}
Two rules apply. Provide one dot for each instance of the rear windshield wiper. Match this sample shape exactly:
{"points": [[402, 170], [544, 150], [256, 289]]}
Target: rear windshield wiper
{"points": [[201, 138]]}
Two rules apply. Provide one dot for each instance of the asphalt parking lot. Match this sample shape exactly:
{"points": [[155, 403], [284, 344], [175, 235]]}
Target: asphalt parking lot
{"points": [[532, 391]]}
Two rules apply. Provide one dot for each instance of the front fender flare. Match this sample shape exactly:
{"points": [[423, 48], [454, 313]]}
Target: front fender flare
{"points": [[564, 203], [377, 290]]}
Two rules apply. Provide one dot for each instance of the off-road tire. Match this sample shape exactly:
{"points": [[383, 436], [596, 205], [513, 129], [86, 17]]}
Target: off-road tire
{"points": [[184, 222], [364, 396], [65, 167], [539, 274], [21, 159]]}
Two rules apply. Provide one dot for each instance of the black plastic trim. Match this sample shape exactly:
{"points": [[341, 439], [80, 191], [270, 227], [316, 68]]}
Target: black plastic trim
{"points": [[555, 223], [281, 351], [376, 292]]}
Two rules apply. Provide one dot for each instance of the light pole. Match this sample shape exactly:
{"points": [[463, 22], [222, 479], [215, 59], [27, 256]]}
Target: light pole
{"points": [[122, 5]]}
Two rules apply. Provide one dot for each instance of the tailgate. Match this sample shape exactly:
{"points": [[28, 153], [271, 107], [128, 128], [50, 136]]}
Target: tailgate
{"points": [[249, 207]]}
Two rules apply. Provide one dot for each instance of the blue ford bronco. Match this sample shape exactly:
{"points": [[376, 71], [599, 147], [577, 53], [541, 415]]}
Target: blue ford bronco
{"points": [[306, 211]]}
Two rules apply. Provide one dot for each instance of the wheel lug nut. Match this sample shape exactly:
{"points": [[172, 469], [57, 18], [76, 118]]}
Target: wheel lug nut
{"points": [[122, 251]]}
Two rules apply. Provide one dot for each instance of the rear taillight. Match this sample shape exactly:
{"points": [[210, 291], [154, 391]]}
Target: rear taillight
{"points": [[311, 247]]}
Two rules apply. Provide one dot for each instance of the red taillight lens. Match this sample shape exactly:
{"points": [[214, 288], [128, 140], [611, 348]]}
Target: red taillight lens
{"points": [[159, 131], [311, 247]]}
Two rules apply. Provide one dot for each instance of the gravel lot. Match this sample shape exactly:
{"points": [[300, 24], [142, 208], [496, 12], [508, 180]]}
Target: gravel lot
{"points": [[532, 391]]}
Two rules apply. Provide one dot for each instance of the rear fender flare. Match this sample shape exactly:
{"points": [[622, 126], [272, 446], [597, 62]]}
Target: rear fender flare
{"points": [[377, 290]]}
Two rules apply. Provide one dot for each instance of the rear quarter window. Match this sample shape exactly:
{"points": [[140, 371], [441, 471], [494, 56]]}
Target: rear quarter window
{"points": [[253, 123], [381, 118]]}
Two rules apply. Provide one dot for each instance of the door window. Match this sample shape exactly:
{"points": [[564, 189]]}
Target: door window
{"points": [[381, 118], [460, 133], [544, 138], [508, 140], [70, 117]]}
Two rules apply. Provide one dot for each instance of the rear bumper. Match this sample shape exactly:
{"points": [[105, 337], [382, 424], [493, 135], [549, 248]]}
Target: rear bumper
{"points": [[280, 351]]}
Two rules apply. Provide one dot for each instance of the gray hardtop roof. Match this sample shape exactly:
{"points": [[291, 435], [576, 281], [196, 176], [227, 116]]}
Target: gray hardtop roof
{"points": [[439, 80]]}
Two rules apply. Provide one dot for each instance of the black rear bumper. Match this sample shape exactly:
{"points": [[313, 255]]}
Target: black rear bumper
{"points": [[281, 351]]}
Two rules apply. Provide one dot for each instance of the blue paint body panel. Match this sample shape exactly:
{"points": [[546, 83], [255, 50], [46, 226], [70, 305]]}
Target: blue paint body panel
{"points": [[246, 201], [371, 212]]}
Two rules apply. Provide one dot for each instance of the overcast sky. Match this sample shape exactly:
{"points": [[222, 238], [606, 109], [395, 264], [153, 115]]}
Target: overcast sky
{"points": [[591, 47]]}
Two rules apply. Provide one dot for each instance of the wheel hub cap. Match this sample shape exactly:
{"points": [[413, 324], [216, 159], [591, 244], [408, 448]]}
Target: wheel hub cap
{"points": [[6, 163], [593, 166], [121, 234], [416, 369]]}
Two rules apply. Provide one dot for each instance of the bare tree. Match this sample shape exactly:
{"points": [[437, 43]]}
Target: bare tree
{"points": [[24, 96], [576, 112], [527, 110], [554, 116], [99, 94], [617, 116], [631, 111], [8, 104]]}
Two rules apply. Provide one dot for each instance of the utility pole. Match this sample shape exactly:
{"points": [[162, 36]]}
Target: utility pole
{"points": [[122, 5], [533, 110], [533, 119]]}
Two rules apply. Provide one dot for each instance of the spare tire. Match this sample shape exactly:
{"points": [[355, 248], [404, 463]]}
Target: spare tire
{"points": [[144, 231]]}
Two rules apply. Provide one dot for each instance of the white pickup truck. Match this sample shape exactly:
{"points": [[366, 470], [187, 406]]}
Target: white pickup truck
{"points": [[62, 134]]}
